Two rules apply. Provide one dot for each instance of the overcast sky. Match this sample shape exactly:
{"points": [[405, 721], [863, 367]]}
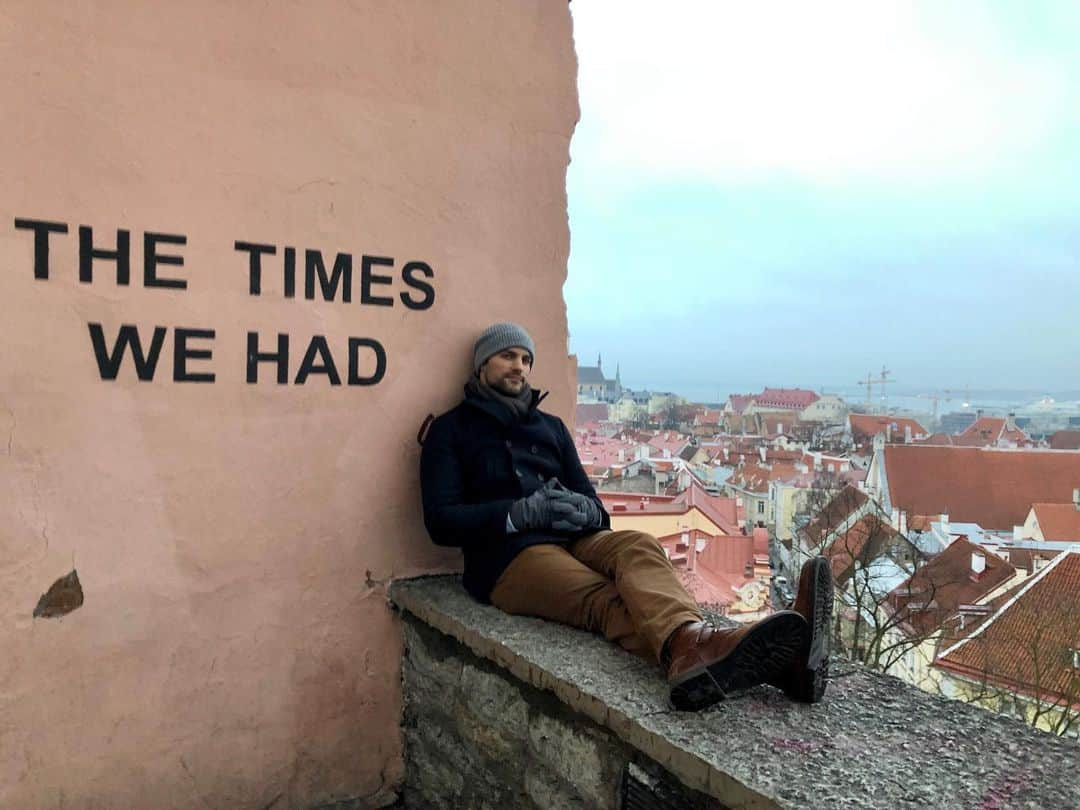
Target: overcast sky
{"points": [[797, 193]]}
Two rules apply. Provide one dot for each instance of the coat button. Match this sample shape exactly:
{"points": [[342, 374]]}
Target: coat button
{"points": [[509, 443], [535, 449], [518, 472]]}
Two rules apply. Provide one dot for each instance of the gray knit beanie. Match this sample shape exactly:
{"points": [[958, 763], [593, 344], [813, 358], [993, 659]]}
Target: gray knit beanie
{"points": [[497, 337]]}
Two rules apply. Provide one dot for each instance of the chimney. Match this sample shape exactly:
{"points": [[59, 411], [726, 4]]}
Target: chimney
{"points": [[761, 452], [622, 454], [1010, 421], [667, 453], [888, 432], [907, 434], [894, 518], [1076, 498], [945, 526], [978, 565], [978, 413], [903, 523]]}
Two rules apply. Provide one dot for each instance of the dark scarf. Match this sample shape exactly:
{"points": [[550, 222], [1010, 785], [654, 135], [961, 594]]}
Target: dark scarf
{"points": [[519, 406]]}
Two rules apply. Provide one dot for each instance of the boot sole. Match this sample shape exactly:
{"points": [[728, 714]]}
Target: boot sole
{"points": [[807, 683], [756, 659]]}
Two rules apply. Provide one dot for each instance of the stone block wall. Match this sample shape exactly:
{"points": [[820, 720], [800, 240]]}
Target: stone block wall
{"points": [[477, 737], [505, 711]]}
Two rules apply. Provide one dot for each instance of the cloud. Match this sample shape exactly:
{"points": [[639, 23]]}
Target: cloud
{"points": [[838, 92]]}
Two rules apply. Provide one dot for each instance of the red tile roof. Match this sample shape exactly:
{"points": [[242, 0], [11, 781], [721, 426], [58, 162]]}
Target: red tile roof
{"points": [[750, 477], [938, 438], [826, 463], [987, 431], [790, 398], [1028, 559], [707, 417], [739, 402], [865, 427], [719, 509], [719, 569], [933, 594], [668, 440], [591, 412], [1065, 440], [773, 424], [623, 502], [842, 505], [1058, 521], [705, 592], [994, 488], [864, 540], [601, 452], [1029, 642], [641, 436], [921, 523]]}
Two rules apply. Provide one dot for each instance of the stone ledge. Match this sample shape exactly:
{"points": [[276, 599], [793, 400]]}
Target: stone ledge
{"points": [[874, 741]]}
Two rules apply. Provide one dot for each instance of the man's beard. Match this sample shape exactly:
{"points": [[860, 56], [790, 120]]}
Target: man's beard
{"points": [[503, 386]]}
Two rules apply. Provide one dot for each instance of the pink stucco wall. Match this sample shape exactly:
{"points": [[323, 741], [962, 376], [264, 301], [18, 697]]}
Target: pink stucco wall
{"points": [[233, 539]]}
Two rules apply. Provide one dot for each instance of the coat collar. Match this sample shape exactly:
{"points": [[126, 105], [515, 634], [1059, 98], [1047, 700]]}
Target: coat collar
{"points": [[498, 411]]}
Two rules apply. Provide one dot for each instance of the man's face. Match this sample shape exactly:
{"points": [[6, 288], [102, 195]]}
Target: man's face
{"points": [[507, 371]]}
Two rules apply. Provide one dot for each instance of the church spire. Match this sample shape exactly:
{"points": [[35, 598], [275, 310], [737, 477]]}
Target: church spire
{"points": [[617, 378], [599, 365]]}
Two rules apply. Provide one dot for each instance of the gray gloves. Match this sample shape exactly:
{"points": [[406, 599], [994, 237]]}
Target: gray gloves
{"points": [[584, 505], [555, 507]]}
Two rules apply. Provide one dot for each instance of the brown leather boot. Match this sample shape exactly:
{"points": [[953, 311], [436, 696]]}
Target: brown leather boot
{"points": [[808, 675], [708, 663]]}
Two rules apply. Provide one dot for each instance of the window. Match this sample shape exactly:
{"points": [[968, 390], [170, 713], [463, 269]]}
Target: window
{"points": [[761, 507]]}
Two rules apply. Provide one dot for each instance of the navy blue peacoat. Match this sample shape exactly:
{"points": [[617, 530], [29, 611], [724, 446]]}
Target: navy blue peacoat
{"points": [[477, 459]]}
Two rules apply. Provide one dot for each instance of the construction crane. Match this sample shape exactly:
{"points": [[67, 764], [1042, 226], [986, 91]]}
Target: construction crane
{"points": [[868, 383], [882, 381], [935, 398]]}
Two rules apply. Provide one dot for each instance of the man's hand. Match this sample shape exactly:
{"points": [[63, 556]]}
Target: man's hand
{"points": [[542, 510], [584, 506]]}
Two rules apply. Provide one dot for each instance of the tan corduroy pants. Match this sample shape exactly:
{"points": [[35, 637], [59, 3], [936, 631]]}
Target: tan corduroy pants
{"points": [[618, 583]]}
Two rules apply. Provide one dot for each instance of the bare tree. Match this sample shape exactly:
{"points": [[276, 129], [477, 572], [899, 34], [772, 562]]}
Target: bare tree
{"points": [[1025, 665], [887, 602], [888, 599]]}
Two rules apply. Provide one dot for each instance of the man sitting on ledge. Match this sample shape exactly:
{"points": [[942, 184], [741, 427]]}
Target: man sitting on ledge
{"points": [[502, 480]]}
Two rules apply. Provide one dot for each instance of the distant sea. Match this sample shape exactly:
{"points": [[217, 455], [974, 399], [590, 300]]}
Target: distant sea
{"points": [[991, 400]]}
